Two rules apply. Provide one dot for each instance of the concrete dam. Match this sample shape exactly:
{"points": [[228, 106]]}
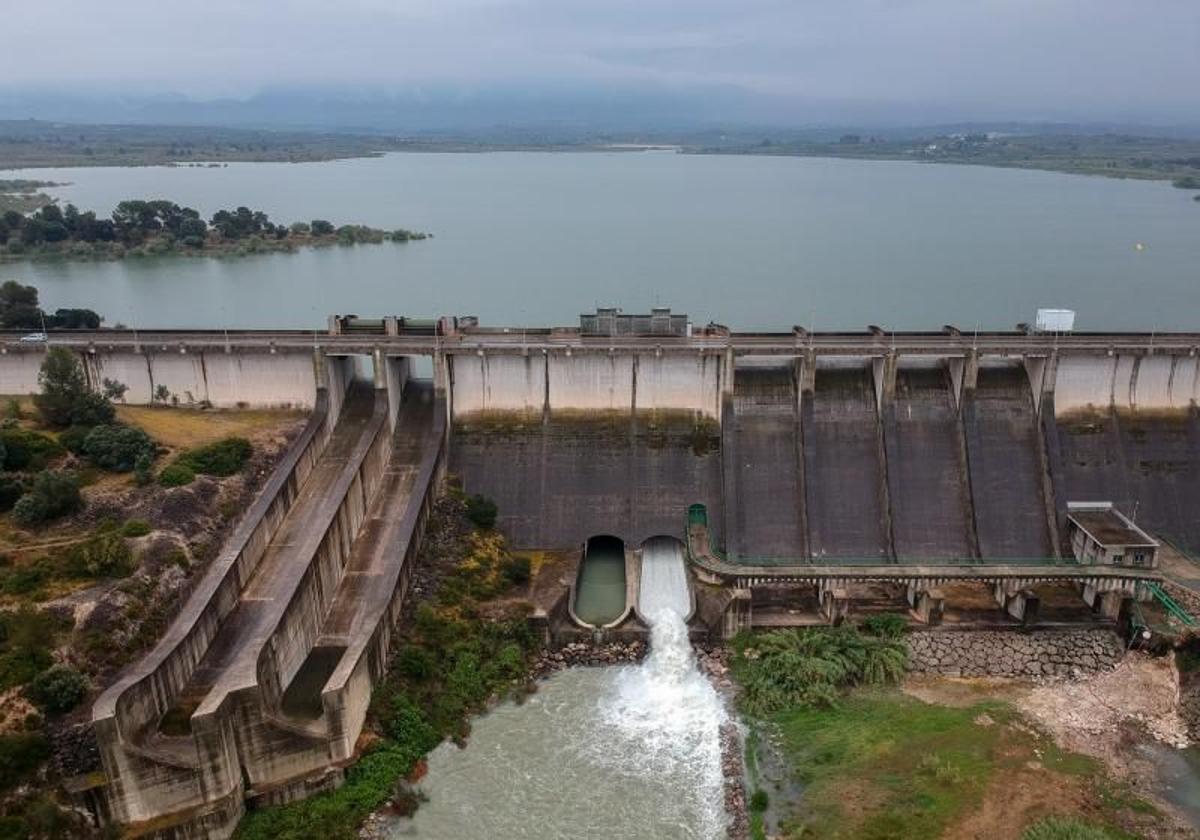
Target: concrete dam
{"points": [[802, 476]]}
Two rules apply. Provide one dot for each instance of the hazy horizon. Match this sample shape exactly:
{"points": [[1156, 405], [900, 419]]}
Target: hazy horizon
{"points": [[472, 63]]}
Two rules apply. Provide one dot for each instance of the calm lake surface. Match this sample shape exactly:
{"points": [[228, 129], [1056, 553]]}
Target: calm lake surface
{"points": [[753, 242]]}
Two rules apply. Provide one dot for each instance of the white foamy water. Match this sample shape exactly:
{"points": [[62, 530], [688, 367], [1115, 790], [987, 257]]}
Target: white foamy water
{"points": [[609, 753], [664, 579]]}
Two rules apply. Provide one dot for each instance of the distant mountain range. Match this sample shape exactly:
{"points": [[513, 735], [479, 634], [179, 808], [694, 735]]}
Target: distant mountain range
{"points": [[550, 114]]}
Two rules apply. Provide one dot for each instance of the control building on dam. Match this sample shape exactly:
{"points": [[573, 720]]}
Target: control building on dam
{"points": [[804, 475]]}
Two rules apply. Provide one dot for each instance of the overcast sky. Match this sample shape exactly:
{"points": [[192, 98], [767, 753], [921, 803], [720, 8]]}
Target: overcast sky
{"points": [[990, 59]]}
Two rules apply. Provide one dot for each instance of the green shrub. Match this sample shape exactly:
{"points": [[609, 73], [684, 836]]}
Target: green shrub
{"points": [[759, 801], [20, 755], [220, 458], [117, 448], [26, 638], [11, 489], [1067, 828], [415, 663], [176, 475], [26, 449], [52, 494], [143, 469], [405, 724], [57, 690], [92, 409], [23, 580], [101, 556], [72, 439], [516, 570], [786, 668], [481, 511], [885, 625], [136, 528]]}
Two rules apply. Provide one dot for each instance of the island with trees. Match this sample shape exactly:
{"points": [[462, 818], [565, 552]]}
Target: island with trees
{"points": [[139, 228], [23, 195]]}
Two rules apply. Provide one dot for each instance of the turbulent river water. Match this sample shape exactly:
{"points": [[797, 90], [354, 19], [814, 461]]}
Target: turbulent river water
{"points": [[623, 752]]}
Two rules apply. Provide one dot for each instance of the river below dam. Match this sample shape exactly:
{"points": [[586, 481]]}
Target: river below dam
{"points": [[750, 241], [622, 752]]}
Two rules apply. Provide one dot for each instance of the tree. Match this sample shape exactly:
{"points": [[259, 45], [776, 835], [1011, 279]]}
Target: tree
{"points": [[320, 227], [19, 306], [74, 319], [481, 511], [63, 384], [65, 399], [113, 389]]}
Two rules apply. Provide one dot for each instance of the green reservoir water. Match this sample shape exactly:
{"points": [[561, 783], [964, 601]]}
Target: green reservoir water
{"points": [[600, 592], [754, 242]]}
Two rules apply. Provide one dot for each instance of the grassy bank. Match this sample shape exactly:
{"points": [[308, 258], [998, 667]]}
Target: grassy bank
{"points": [[880, 764]]}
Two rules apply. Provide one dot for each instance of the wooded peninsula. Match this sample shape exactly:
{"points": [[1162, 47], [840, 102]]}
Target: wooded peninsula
{"points": [[139, 228]]}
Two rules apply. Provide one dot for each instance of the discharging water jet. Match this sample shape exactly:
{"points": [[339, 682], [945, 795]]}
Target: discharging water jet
{"points": [[625, 752]]}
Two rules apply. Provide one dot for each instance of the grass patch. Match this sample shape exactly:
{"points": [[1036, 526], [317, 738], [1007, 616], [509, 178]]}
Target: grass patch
{"points": [[1069, 828], [882, 765], [188, 428]]}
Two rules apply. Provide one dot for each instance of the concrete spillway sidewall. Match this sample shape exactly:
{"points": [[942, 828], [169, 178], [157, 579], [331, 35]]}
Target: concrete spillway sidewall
{"points": [[216, 595], [346, 694], [297, 625], [636, 606], [626, 611]]}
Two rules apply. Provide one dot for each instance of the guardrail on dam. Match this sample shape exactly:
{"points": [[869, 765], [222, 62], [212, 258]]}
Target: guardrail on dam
{"points": [[821, 459]]}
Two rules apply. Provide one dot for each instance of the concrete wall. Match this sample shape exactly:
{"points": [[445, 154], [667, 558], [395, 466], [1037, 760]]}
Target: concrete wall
{"points": [[559, 482], [764, 466], [1003, 449], [678, 383], [594, 382], [585, 382], [495, 382], [1126, 382], [19, 371], [926, 469], [225, 380], [844, 466]]}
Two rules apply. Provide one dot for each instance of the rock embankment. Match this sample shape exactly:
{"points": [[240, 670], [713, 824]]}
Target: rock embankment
{"points": [[582, 653], [1010, 653], [733, 770]]}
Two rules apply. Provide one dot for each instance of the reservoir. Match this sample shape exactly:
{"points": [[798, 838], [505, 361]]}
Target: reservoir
{"points": [[757, 241]]}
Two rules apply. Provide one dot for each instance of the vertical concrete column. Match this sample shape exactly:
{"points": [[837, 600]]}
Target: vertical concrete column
{"points": [[884, 370], [727, 373], [928, 604], [835, 604], [1045, 373], [808, 373], [1021, 604], [320, 371], [378, 369], [738, 613]]}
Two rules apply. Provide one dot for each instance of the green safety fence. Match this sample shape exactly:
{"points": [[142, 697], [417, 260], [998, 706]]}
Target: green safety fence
{"points": [[1170, 604]]}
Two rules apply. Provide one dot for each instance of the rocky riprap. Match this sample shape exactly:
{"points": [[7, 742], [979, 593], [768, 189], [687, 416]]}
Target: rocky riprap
{"points": [[582, 653], [733, 769], [1008, 653]]}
